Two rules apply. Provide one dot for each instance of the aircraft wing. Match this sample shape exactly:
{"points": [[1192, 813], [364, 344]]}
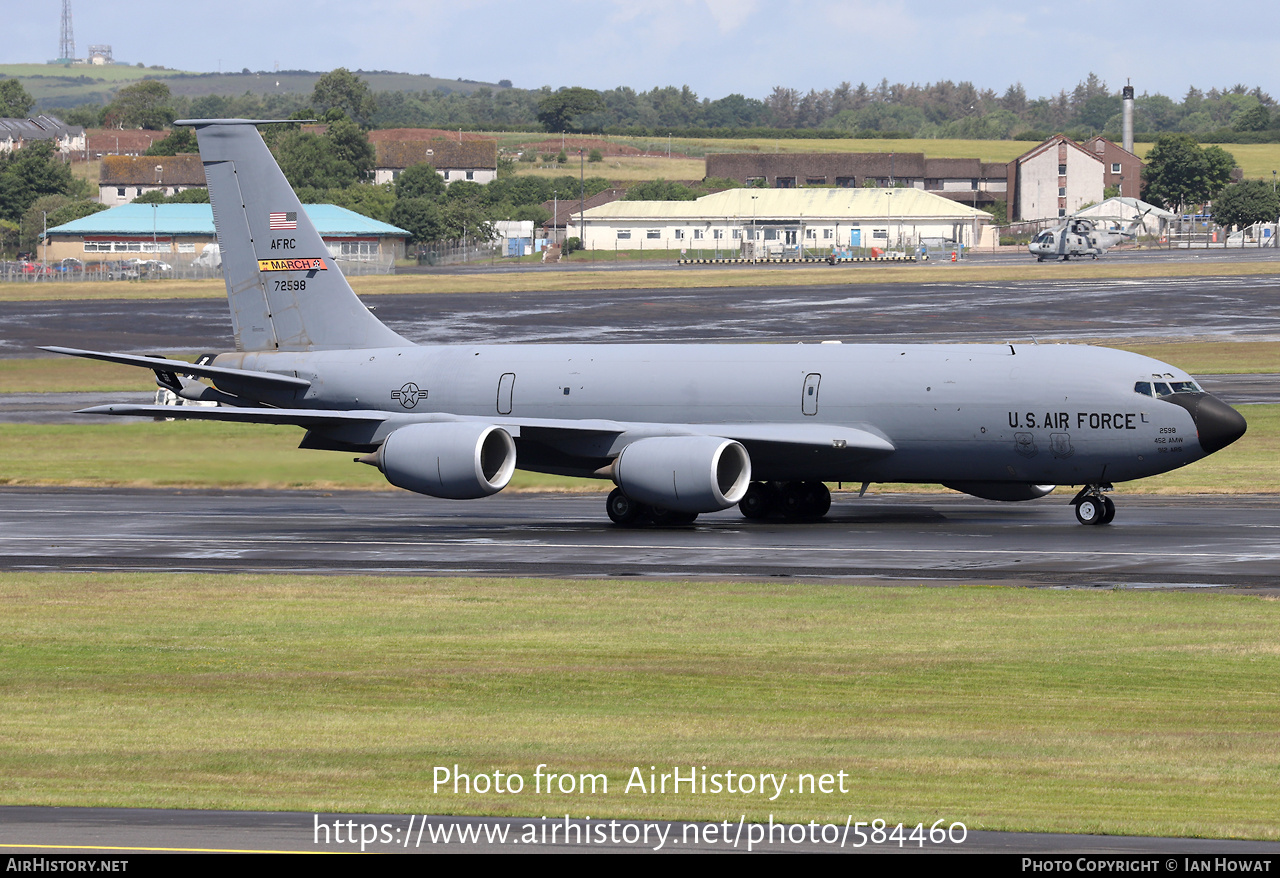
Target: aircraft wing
{"points": [[293, 417], [773, 438]]}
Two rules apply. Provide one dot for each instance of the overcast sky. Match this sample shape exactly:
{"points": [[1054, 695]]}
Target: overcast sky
{"points": [[717, 47]]}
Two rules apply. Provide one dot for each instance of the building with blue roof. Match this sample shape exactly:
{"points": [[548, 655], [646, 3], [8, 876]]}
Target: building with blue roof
{"points": [[180, 232]]}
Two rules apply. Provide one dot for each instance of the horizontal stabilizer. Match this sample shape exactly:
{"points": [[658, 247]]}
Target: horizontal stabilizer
{"points": [[241, 377]]}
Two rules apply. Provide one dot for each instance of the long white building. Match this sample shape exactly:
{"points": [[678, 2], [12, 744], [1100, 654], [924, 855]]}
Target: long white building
{"points": [[780, 221]]}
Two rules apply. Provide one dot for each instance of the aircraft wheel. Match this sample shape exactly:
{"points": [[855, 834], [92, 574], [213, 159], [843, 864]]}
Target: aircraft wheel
{"points": [[802, 500], [820, 499], [1109, 510], [671, 518], [1091, 510], [623, 510], [759, 501]]}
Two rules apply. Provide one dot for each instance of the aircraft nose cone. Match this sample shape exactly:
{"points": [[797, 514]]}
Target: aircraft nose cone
{"points": [[1217, 424]]}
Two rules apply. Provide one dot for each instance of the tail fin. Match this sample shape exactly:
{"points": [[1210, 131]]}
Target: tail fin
{"points": [[286, 293]]}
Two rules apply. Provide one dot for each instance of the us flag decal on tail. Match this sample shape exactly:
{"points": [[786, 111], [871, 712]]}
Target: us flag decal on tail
{"points": [[282, 220]]}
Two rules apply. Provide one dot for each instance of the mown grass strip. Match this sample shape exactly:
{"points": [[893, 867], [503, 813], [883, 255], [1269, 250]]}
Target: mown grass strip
{"points": [[70, 375], [193, 454], [1208, 357], [1036, 710], [552, 278], [221, 455]]}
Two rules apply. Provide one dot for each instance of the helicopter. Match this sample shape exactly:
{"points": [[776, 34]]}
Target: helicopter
{"points": [[1079, 236]]}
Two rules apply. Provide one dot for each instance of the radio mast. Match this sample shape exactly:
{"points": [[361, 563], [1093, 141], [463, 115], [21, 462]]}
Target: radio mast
{"points": [[67, 43]]}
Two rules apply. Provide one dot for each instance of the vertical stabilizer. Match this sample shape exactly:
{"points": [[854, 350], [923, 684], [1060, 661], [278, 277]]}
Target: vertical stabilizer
{"points": [[285, 291]]}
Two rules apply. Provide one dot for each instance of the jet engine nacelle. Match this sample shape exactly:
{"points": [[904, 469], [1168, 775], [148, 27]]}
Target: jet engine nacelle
{"points": [[1007, 491], [684, 473], [455, 460]]}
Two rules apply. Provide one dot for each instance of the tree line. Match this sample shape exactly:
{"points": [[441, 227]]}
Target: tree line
{"points": [[38, 190], [335, 166], [943, 109]]}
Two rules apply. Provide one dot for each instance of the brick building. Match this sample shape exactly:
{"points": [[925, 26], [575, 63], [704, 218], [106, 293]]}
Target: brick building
{"points": [[967, 181], [1121, 168], [125, 177], [1054, 179], [473, 160]]}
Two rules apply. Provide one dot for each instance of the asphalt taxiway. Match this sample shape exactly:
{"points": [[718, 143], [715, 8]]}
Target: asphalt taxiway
{"points": [[1155, 542], [1211, 308]]}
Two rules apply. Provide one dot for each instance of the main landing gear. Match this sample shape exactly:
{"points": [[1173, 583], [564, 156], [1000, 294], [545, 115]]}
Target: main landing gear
{"points": [[1094, 507], [795, 501], [628, 513]]}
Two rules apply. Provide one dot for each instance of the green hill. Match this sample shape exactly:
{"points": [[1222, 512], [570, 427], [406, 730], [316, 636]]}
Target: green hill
{"points": [[65, 85]]}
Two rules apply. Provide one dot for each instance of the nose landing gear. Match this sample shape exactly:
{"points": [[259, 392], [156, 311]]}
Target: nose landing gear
{"points": [[1094, 507]]}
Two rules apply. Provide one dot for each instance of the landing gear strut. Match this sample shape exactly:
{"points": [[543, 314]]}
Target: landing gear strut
{"points": [[1094, 507], [795, 501]]}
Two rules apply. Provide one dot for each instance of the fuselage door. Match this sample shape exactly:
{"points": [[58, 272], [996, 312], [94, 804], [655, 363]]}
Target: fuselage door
{"points": [[506, 384], [809, 401]]}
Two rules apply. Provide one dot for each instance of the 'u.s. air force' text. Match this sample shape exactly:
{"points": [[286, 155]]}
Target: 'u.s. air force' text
{"points": [[1083, 420]]}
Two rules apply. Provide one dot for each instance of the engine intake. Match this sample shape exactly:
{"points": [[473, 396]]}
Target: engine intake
{"points": [[458, 460], [684, 473]]}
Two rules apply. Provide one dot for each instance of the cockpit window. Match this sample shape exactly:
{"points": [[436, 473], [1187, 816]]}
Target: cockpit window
{"points": [[1165, 388]]}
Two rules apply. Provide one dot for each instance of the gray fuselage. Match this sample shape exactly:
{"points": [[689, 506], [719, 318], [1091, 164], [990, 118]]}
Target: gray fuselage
{"points": [[1031, 414]]}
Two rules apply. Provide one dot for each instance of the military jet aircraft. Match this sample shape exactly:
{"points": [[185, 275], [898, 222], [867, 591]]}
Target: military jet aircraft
{"points": [[679, 429], [1081, 236]]}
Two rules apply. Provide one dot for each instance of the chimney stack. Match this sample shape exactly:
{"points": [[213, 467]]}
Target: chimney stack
{"points": [[1127, 93]]}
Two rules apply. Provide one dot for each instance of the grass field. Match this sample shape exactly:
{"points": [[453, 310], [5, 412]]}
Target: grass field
{"points": [[1256, 160], [1017, 709], [68, 375], [626, 168], [112, 73], [72, 85]]}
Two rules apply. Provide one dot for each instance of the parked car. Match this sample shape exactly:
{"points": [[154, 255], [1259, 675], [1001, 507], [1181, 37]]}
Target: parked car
{"points": [[154, 268], [121, 271]]}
